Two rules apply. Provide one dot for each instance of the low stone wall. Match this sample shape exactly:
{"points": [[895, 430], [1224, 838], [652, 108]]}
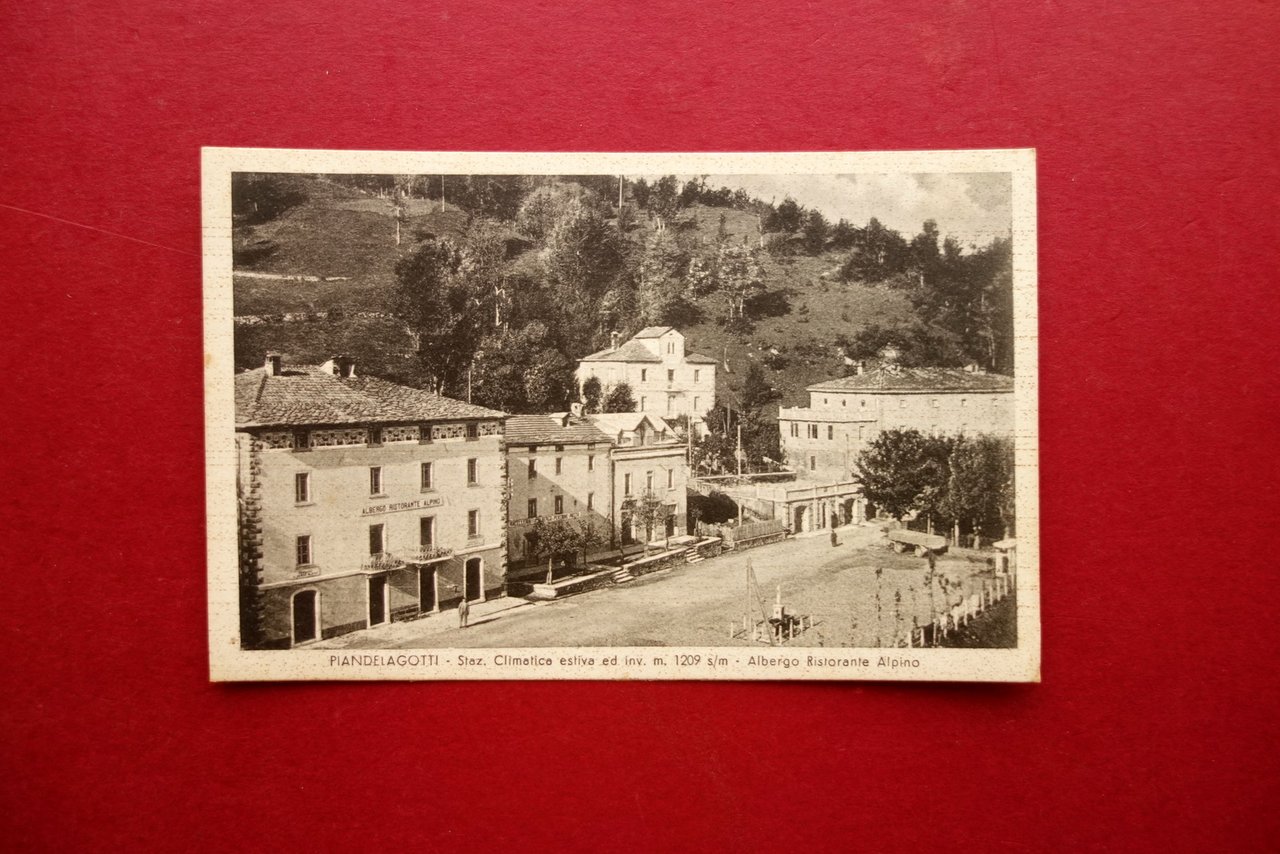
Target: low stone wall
{"points": [[571, 586], [646, 565]]}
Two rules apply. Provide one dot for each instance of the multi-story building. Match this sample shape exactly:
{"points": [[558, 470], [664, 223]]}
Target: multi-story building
{"points": [[845, 414], [361, 501], [559, 467], [665, 381], [646, 459]]}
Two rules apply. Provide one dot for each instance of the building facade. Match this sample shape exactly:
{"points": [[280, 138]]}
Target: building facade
{"points": [[558, 467], [361, 502], [845, 415], [649, 465], [666, 381]]}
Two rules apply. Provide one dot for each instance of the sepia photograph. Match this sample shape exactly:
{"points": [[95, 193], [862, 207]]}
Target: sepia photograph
{"points": [[621, 416]]}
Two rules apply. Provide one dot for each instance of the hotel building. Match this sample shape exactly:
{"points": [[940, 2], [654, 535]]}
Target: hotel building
{"points": [[361, 502]]}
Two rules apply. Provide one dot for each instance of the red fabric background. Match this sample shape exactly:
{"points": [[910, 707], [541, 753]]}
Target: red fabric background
{"points": [[1155, 727]]}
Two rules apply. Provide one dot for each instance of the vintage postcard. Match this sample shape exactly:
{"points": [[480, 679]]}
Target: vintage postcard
{"points": [[621, 416]]}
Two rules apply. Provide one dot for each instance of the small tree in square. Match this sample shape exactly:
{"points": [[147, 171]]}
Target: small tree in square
{"points": [[554, 539]]}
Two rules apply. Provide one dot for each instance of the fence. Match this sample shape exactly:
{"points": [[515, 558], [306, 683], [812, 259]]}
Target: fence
{"points": [[960, 614]]}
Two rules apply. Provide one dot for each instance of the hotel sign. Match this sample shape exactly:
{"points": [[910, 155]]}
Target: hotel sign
{"points": [[402, 506]]}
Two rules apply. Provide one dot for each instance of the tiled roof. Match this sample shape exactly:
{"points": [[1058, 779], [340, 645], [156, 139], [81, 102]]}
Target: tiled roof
{"points": [[652, 332], [632, 351], [699, 359], [305, 395], [550, 430], [917, 379]]}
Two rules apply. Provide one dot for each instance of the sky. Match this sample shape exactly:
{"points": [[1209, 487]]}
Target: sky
{"points": [[973, 207]]}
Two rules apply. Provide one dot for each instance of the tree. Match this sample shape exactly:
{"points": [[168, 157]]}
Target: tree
{"points": [[896, 468], [553, 539], [877, 254], [741, 278], [590, 538], [843, 235], [786, 217], [660, 289], [441, 306], [815, 232], [522, 371], [980, 485], [648, 510], [591, 394], [620, 399]]}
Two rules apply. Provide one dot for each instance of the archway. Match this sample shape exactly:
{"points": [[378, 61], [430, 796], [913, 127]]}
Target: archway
{"points": [[801, 514], [472, 585], [306, 616]]}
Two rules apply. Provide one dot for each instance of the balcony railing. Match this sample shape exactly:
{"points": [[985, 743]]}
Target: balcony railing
{"points": [[428, 554], [382, 562]]}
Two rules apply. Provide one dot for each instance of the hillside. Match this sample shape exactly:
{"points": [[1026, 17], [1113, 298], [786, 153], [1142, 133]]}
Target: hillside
{"points": [[346, 238]]}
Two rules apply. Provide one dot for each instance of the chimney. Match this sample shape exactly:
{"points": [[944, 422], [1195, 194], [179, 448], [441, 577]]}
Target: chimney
{"points": [[273, 364], [341, 366], [575, 410], [613, 340], [859, 367]]}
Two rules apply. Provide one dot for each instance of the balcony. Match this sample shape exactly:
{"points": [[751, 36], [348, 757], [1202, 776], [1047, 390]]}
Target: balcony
{"points": [[382, 562], [423, 555]]}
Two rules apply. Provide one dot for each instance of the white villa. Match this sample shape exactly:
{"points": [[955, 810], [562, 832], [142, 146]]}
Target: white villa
{"points": [[666, 381]]}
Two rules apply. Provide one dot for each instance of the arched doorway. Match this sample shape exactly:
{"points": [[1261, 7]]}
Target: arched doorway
{"points": [[472, 584], [306, 616], [801, 513]]}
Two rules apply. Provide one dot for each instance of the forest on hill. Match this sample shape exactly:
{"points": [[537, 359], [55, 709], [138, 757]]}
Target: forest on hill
{"points": [[491, 287]]}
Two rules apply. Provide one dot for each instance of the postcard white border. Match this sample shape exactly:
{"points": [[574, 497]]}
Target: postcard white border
{"points": [[228, 662]]}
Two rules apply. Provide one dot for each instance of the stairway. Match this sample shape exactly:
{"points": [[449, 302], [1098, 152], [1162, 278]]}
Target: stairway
{"points": [[622, 576], [691, 556]]}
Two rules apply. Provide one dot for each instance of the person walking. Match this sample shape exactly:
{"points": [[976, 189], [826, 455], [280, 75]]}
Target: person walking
{"points": [[464, 611]]}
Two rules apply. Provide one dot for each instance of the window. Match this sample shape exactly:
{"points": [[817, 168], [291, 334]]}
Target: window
{"points": [[533, 509], [648, 481], [591, 500], [671, 347], [644, 374], [860, 431], [626, 484], [428, 480], [473, 431], [302, 487], [375, 435], [301, 440], [824, 401], [473, 523], [671, 376], [697, 406], [533, 449], [697, 376], [643, 405], [376, 539], [559, 505], [813, 431], [303, 550], [670, 400], [671, 479], [591, 462], [831, 432], [473, 471], [844, 401], [559, 467], [813, 462], [862, 402], [424, 434], [375, 480], [533, 469], [427, 531], [795, 430]]}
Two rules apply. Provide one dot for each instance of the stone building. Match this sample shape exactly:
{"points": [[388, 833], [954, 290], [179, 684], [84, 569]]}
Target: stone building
{"points": [[666, 381], [844, 415], [361, 501], [559, 467], [646, 458]]}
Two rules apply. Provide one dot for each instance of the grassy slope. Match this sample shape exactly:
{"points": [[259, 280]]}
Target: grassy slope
{"points": [[342, 232]]}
